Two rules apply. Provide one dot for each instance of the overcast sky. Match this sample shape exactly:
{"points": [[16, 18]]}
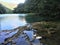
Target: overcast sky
{"points": [[14, 1]]}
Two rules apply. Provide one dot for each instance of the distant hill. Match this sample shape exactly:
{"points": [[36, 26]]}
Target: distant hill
{"points": [[8, 5], [4, 9], [8, 10]]}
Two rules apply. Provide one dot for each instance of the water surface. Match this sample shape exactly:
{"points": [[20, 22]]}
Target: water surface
{"points": [[11, 21]]}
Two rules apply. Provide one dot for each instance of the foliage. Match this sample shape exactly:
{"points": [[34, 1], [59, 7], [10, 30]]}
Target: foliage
{"points": [[19, 9], [49, 9]]}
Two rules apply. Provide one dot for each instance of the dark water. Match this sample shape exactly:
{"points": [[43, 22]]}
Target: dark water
{"points": [[11, 21]]}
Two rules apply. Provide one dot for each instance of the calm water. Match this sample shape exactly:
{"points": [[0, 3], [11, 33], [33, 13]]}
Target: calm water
{"points": [[11, 21]]}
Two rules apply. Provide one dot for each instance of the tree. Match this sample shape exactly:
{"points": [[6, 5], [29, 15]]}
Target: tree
{"points": [[49, 9], [19, 9]]}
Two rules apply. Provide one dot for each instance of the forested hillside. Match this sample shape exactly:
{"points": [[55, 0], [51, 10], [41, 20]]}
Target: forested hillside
{"points": [[4, 9], [50, 9]]}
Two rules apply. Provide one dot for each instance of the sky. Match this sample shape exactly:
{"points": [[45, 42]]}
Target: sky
{"points": [[11, 4], [14, 1]]}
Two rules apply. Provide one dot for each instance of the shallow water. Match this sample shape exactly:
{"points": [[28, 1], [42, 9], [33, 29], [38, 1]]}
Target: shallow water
{"points": [[4, 35], [24, 38]]}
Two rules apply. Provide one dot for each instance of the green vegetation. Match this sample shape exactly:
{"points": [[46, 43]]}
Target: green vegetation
{"points": [[47, 18], [49, 9], [8, 11], [2, 9]]}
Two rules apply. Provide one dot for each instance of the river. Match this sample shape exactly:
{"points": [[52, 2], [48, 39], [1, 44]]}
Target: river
{"points": [[11, 21]]}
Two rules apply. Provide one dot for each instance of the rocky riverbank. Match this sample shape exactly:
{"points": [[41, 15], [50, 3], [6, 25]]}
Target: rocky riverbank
{"points": [[11, 35], [49, 31]]}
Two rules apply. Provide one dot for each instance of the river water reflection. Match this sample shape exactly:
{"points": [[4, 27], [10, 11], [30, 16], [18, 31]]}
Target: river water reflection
{"points": [[11, 21]]}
